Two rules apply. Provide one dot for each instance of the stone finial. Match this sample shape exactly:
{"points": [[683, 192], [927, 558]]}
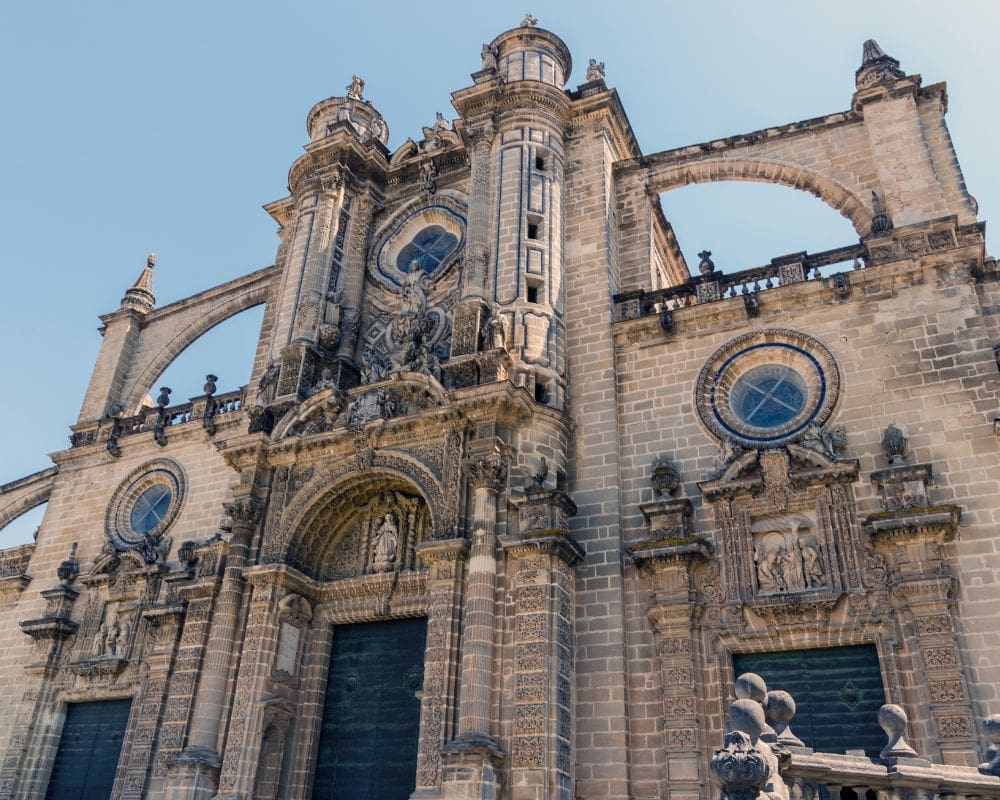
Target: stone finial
{"points": [[664, 478], [895, 446], [876, 67], [595, 70], [69, 569], [751, 687], [186, 553], [779, 708], [706, 266], [747, 716], [355, 90], [529, 21], [881, 223], [139, 297], [893, 720], [991, 727], [739, 767]]}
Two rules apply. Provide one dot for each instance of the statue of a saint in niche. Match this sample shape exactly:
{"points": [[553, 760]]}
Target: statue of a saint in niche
{"points": [[386, 545]]}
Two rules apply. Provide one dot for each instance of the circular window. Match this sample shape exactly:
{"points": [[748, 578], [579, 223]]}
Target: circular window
{"points": [[146, 503], [150, 508], [427, 251], [767, 387], [768, 396]]}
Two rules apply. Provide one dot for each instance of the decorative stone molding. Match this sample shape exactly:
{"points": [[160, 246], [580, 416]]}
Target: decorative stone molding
{"points": [[544, 511]]}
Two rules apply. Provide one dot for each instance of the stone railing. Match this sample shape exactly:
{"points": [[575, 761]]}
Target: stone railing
{"points": [[208, 409], [761, 762], [747, 283]]}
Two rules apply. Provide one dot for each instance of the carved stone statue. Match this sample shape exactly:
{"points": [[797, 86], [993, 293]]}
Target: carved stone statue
{"points": [[728, 453], [375, 367], [356, 89], [595, 70], [414, 289], [538, 479], [386, 545], [529, 21], [770, 575], [268, 384], [894, 446], [489, 57], [812, 568], [831, 441], [496, 329]]}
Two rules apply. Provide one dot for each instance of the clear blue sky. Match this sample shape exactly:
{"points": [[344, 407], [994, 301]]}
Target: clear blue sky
{"points": [[130, 127]]}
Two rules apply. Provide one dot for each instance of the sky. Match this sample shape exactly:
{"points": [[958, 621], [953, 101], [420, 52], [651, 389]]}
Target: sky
{"points": [[137, 127]]}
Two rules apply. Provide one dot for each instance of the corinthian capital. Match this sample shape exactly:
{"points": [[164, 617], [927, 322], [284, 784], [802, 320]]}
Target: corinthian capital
{"points": [[244, 513], [488, 472], [481, 132]]}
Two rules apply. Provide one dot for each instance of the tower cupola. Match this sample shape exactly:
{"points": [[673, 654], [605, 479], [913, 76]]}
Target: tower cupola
{"points": [[530, 53], [352, 109]]}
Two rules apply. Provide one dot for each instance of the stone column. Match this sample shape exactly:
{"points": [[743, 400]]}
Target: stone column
{"points": [[910, 533], [257, 651], [477, 251], [352, 281], [471, 763], [487, 476], [541, 560], [34, 738], [166, 620], [315, 272], [445, 559], [667, 558], [194, 773]]}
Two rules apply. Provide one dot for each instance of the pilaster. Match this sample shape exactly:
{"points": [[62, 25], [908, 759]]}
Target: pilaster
{"points": [[667, 557], [541, 559]]}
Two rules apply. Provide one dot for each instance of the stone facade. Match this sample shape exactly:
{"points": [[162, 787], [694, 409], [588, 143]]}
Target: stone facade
{"points": [[490, 393]]}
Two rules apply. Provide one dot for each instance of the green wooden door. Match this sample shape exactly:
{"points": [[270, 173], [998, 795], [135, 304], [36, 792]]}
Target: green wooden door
{"points": [[89, 747], [837, 690], [368, 740]]}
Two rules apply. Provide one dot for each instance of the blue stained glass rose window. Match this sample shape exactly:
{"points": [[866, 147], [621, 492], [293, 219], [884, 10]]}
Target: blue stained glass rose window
{"points": [[149, 508], [429, 249], [768, 396]]}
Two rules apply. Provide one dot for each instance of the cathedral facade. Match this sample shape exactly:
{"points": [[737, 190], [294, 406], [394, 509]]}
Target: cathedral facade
{"points": [[515, 493]]}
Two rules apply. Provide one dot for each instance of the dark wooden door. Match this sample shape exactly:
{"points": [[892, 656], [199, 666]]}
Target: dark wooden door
{"points": [[368, 740], [837, 690], [89, 747]]}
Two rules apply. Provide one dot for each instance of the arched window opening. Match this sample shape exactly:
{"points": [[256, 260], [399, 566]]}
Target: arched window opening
{"points": [[227, 350], [745, 224], [22, 529]]}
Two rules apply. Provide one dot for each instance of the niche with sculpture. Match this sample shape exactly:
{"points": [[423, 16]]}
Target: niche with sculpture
{"points": [[379, 537], [788, 556]]}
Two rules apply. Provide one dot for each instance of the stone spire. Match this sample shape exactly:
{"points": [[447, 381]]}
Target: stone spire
{"points": [[876, 67], [140, 296]]}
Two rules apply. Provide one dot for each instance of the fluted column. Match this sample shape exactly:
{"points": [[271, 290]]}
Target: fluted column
{"points": [[315, 273], [477, 251], [487, 476], [195, 770], [352, 280]]}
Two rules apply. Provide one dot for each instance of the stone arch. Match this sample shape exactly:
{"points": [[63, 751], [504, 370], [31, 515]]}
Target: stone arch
{"points": [[184, 337], [20, 496], [663, 178], [301, 529]]}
